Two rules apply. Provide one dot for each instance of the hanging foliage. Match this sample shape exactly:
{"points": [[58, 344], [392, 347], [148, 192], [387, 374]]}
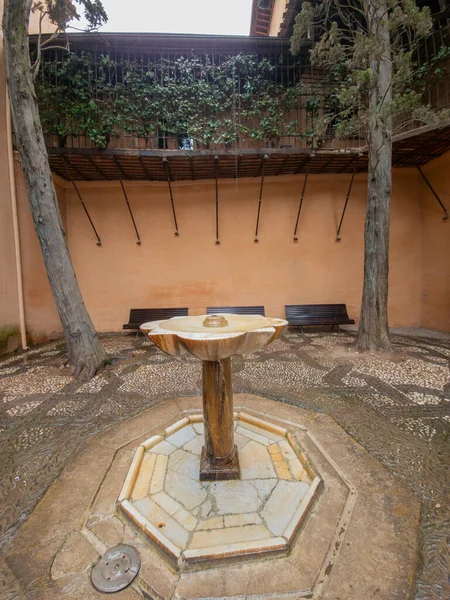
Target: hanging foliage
{"points": [[98, 97]]}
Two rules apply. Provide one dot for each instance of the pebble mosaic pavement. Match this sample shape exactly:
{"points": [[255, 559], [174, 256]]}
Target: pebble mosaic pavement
{"points": [[398, 409]]}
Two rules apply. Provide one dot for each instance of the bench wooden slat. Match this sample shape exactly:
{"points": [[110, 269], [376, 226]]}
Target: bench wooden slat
{"points": [[138, 316], [237, 310], [317, 314]]}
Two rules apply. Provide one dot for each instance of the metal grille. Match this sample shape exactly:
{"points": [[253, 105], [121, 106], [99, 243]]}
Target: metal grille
{"points": [[160, 56]]}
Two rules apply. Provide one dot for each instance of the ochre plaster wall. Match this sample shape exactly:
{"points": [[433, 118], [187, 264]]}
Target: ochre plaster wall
{"points": [[45, 25], [9, 307], [192, 271], [436, 247], [35, 21], [41, 317], [9, 310], [279, 6]]}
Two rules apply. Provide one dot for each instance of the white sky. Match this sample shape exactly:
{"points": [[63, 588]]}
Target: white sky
{"points": [[178, 16]]}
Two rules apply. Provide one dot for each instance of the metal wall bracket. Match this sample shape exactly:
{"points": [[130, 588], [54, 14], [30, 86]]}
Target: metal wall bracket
{"points": [[67, 166], [169, 179], [216, 161], [131, 213], [99, 241], [301, 200], [262, 168], [433, 191], [338, 239]]}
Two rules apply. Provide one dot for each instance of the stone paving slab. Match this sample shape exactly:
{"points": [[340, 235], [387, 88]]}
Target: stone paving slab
{"points": [[191, 521], [363, 528]]}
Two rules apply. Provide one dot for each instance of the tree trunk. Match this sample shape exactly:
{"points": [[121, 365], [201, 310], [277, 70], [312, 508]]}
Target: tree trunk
{"points": [[373, 332], [83, 346]]}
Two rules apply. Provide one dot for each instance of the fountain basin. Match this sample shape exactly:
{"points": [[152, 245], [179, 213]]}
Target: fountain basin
{"points": [[193, 523], [180, 336]]}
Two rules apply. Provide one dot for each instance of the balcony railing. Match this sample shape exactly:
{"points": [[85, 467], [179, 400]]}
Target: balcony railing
{"points": [[141, 96]]}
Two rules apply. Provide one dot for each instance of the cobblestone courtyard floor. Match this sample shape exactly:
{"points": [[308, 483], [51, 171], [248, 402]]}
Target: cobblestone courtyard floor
{"points": [[398, 409]]}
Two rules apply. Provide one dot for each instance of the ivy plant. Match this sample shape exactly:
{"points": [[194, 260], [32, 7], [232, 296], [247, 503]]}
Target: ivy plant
{"points": [[96, 96]]}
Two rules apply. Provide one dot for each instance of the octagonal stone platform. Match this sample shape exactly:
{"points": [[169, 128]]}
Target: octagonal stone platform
{"points": [[359, 539], [191, 521]]}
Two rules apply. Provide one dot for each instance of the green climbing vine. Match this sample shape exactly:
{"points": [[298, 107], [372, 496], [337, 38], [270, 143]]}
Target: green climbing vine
{"points": [[101, 98]]}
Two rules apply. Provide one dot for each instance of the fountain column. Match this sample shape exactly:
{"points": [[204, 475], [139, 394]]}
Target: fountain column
{"points": [[219, 459]]}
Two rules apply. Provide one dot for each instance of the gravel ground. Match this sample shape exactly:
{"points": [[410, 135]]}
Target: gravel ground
{"points": [[397, 408]]}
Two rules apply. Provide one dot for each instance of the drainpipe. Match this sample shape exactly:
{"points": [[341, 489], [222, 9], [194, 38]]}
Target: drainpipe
{"points": [[12, 190]]}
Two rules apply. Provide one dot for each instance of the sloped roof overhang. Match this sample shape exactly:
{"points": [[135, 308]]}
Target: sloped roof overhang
{"points": [[167, 42]]}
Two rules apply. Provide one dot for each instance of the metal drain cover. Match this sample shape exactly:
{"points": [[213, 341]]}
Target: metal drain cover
{"points": [[116, 569]]}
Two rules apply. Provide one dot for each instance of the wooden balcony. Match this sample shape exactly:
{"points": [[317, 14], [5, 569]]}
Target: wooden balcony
{"points": [[410, 149]]}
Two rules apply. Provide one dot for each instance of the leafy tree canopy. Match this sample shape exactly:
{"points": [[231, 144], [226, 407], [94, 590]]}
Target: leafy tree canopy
{"points": [[62, 12], [348, 49]]}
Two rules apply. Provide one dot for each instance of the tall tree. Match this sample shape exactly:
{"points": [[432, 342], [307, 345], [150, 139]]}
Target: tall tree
{"points": [[84, 348], [367, 51]]}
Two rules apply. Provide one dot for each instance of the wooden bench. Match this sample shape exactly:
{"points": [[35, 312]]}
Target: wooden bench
{"points": [[138, 316], [237, 310], [317, 314]]}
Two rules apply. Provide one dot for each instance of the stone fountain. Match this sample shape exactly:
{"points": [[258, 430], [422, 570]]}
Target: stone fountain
{"points": [[187, 490]]}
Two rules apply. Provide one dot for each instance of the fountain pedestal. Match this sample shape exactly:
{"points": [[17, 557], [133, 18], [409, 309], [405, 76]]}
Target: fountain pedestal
{"points": [[219, 458]]}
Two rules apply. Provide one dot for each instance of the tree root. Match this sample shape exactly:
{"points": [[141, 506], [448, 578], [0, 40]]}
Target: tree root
{"points": [[369, 344], [87, 368]]}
